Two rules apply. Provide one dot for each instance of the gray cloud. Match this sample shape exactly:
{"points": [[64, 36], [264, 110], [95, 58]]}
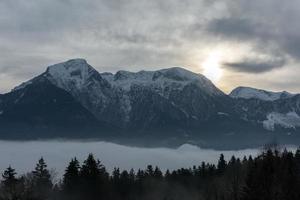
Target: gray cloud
{"points": [[255, 66], [233, 28], [139, 34], [111, 34], [271, 24]]}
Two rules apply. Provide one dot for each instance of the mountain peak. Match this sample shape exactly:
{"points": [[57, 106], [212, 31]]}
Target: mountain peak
{"points": [[69, 66], [77, 71], [249, 93]]}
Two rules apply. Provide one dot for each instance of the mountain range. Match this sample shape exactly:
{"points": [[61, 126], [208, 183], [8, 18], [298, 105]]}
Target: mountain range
{"points": [[173, 105]]}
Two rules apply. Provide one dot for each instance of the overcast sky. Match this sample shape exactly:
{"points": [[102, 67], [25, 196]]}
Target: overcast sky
{"points": [[252, 42]]}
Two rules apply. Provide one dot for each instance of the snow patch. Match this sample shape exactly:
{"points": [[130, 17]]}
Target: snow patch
{"points": [[288, 120], [222, 113]]}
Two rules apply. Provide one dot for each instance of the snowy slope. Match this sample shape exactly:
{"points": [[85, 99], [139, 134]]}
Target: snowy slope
{"points": [[162, 81], [71, 74], [80, 79], [174, 92], [288, 120], [248, 93]]}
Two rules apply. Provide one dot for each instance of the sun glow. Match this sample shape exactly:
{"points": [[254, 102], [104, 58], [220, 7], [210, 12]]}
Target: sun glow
{"points": [[211, 67]]}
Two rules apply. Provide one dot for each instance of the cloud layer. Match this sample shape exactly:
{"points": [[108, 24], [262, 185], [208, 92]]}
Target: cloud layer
{"points": [[257, 36]]}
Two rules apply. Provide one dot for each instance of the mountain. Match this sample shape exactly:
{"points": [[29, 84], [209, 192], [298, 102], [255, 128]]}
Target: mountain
{"points": [[272, 115], [40, 109], [173, 105], [138, 101], [253, 93], [165, 98]]}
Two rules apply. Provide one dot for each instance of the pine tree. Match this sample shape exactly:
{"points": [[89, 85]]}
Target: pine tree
{"points": [[288, 174], [221, 165], [94, 178], [42, 183], [71, 177], [149, 170], [115, 177], [132, 175], [125, 185], [9, 178], [157, 173], [9, 184]]}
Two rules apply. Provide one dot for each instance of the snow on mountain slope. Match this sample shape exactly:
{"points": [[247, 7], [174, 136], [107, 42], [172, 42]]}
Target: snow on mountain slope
{"points": [[248, 93], [288, 120], [162, 81], [83, 82], [70, 75]]}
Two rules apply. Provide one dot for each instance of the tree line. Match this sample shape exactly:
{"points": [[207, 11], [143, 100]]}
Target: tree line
{"points": [[272, 175]]}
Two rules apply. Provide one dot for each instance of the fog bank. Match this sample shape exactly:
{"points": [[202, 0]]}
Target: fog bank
{"points": [[23, 155]]}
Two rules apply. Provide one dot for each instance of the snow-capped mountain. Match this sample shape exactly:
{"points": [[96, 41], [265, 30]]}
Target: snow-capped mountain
{"points": [[248, 93], [274, 110], [41, 109], [173, 90], [272, 115], [167, 98], [176, 102], [84, 83]]}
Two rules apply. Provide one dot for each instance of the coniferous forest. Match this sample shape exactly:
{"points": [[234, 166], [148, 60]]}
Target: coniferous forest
{"points": [[272, 175]]}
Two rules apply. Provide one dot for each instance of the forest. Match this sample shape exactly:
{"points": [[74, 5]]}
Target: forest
{"points": [[274, 174]]}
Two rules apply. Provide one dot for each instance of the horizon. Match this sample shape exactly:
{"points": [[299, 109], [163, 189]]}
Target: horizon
{"points": [[136, 71]]}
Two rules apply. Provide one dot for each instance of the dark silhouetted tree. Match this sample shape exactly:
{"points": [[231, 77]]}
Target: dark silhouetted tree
{"points": [[10, 185], [221, 165], [94, 178], [42, 183], [71, 179]]}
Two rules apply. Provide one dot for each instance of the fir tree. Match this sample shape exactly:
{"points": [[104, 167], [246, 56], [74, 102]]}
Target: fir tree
{"points": [[71, 179], [9, 184], [42, 183], [94, 178], [221, 164]]}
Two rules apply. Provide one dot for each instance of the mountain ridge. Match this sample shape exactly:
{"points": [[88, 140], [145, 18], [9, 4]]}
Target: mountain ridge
{"points": [[249, 92], [172, 102]]}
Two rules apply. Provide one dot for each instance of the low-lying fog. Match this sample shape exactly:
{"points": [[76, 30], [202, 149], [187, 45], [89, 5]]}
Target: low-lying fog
{"points": [[23, 155]]}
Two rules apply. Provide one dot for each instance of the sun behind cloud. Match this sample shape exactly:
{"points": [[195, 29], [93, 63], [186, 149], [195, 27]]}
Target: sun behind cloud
{"points": [[211, 67]]}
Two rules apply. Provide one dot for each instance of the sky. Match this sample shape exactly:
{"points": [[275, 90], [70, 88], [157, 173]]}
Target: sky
{"points": [[233, 42]]}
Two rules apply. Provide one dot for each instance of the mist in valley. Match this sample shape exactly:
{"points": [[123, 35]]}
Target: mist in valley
{"points": [[23, 155]]}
